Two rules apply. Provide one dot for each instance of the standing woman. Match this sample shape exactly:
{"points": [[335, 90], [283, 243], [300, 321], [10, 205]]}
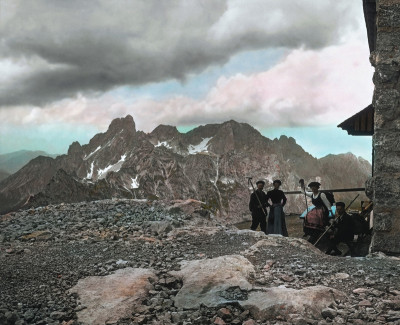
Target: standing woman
{"points": [[276, 218], [316, 219]]}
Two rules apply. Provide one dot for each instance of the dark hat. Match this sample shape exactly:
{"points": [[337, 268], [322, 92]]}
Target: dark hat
{"points": [[277, 181], [340, 204], [262, 182], [314, 184]]}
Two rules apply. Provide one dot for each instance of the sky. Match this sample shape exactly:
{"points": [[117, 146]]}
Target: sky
{"points": [[294, 68]]}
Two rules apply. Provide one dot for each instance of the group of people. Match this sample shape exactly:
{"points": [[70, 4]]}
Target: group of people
{"points": [[275, 200], [316, 220]]}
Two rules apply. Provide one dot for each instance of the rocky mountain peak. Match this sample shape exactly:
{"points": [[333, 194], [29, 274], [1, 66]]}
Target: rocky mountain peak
{"points": [[75, 148], [228, 136], [287, 140], [165, 132], [124, 123], [289, 147]]}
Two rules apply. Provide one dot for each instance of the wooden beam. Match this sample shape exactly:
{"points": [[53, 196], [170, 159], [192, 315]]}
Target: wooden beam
{"points": [[337, 190]]}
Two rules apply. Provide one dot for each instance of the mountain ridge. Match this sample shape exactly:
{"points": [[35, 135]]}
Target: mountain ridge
{"points": [[209, 163], [13, 161]]}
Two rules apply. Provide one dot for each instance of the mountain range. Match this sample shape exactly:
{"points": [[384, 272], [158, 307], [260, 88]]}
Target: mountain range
{"points": [[211, 163], [12, 162]]}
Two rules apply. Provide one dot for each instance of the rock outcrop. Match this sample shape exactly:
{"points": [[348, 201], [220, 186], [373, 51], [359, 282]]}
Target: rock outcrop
{"points": [[110, 298]]}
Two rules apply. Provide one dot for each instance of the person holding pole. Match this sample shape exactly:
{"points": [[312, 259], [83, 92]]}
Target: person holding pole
{"points": [[258, 205], [342, 231], [318, 218]]}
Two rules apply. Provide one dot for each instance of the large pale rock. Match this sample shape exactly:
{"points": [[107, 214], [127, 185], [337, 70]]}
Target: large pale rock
{"points": [[280, 241], [206, 281], [109, 298], [225, 279], [192, 231], [271, 302]]}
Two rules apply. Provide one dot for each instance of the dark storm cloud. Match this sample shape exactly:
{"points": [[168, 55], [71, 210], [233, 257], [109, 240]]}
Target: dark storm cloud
{"points": [[69, 47]]}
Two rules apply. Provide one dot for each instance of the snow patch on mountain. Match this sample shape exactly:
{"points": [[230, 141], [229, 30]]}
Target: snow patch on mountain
{"points": [[201, 147], [92, 153], [163, 144], [135, 182], [115, 168], [90, 174], [227, 180]]}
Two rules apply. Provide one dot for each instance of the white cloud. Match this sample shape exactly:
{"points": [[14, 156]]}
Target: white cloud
{"points": [[308, 87]]}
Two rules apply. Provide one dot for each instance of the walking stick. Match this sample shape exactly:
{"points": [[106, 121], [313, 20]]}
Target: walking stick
{"points": [[258, 199], [301, 182], [335, 220]]}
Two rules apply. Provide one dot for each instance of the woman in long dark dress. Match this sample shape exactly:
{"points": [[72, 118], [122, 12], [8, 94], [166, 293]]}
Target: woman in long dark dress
{"points": [[276, 218]]}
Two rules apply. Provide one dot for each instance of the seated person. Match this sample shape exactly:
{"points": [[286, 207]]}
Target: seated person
{"points": [[342, 231]]}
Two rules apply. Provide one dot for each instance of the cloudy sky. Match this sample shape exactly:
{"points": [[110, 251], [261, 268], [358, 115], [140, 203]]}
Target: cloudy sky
{"points": [[67, 68]]}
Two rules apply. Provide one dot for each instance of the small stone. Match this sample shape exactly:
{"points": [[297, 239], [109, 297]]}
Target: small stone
{"points": [[176, 318], [11, 317], [244, 315], [392, 304], [249, 322], [365, 303], [140, 319], [328, 312], [268, 264], [57, 315], [360, 290], [341, 276], [219, 321], [287, 278], [299, 321], [29, 315], [224, 313]]}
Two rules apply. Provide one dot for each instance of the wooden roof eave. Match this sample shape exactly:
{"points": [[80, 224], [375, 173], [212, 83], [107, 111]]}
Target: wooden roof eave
{"points": [[361, 123]]}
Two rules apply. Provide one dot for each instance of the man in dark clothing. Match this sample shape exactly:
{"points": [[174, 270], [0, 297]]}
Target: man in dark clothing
{"points": [[258, 205], [343, 231]]}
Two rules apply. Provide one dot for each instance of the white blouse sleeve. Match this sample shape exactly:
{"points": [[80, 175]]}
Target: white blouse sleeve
{"points": [[309, 194], [326, 202]]}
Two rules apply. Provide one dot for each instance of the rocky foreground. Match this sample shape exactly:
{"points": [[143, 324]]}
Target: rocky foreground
{"points": [[136, 262]]}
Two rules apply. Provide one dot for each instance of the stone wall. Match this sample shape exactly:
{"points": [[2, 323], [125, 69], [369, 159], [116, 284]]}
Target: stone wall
{"points": [[386, 140]]}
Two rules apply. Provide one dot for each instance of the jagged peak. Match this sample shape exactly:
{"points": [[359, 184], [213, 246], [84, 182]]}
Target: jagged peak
{"points": [[122, 123], [287, 139], [210, 130], [165, 131], [75, 147]]}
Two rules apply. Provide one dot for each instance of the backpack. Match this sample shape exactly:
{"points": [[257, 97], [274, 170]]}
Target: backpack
{"points": [[329, 195]]}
